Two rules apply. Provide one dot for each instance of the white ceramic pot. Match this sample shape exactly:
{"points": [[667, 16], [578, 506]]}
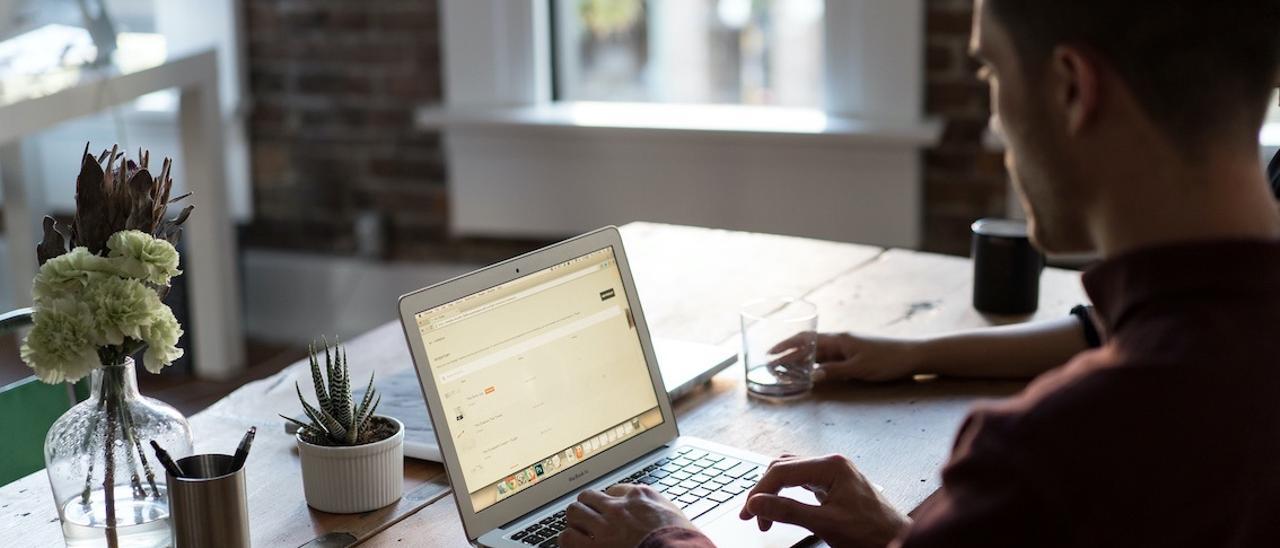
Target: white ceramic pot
{"points": [[350, 480]]}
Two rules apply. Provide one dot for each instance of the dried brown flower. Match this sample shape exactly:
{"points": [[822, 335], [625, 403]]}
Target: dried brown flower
{"points": [[114, 193]]}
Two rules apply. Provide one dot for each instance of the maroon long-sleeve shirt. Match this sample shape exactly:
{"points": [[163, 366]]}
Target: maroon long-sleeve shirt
{"points": [[1168, 435]]}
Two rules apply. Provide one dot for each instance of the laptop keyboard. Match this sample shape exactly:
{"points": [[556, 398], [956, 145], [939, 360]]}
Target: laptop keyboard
{"points": [[696, 481]]}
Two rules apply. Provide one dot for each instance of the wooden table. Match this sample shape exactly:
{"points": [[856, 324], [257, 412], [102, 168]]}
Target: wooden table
{"points": [[691, 282]]}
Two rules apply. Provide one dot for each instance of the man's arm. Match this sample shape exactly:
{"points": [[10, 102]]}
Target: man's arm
{"points": [[1014, 351], [1020, 351]]}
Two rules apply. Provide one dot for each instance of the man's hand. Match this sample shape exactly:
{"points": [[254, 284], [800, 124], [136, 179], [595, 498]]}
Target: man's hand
{"points": [[850, 511], [845, 356], [621, 516]]}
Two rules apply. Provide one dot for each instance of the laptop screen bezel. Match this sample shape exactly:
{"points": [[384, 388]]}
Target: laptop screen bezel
{"points": [[476, 523]]}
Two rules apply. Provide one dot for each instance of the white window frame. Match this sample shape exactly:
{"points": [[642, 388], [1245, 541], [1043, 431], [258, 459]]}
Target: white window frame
{"points": [[519, 167]]}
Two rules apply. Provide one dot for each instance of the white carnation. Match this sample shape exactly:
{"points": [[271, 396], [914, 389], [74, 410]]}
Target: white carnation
{"points": [[67, 274], [121, 307], [142, 256], [161, 337], [60, 348]]}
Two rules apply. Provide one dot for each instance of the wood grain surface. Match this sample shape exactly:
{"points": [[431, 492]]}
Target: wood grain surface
{"points": [[691, 282]]}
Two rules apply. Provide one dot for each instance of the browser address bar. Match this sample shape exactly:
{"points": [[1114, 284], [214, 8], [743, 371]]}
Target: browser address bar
{"points": [[529, 345], [437, 324]]}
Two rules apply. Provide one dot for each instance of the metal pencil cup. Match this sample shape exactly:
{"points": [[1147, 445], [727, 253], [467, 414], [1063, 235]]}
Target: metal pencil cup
{"points": [[209, 507]]}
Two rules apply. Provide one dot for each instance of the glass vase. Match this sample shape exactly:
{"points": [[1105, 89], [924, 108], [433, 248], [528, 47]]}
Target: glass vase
{"points": [[107, 482]]}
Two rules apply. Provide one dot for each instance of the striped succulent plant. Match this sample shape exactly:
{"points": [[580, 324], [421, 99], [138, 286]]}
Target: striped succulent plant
{"points": [[334, 420]]}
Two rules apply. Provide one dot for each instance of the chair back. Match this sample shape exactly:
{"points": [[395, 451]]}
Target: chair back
{"points": [[27, 409]]}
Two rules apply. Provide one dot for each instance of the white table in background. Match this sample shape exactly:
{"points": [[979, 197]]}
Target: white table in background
{"points": [[211, 272]]}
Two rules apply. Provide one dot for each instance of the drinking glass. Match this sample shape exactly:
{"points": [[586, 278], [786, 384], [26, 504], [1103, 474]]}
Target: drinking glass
{"points": [[779, 341]]}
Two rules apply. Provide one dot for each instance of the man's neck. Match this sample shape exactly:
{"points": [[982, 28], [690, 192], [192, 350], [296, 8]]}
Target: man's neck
{"points": [[1219, 200]]}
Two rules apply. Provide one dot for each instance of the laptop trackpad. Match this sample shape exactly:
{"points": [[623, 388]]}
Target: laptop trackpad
{"points": [[727, 529]]}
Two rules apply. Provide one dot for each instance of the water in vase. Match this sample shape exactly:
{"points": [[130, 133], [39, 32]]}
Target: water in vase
{"points": [[142, 521]]}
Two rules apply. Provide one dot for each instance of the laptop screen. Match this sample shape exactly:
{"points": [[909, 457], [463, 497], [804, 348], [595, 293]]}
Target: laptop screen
{"points": [[539, 374]]}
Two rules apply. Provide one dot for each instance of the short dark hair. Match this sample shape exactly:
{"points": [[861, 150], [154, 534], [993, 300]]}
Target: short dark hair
{"points": [[1200, 68]]}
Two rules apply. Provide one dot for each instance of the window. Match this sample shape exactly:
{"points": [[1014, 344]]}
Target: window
{"points": [[752, 52], [864, 70], [1273, 115]]}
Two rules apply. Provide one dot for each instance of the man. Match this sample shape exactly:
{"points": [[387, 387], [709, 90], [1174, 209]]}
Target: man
{"points": [[1132, 131]]}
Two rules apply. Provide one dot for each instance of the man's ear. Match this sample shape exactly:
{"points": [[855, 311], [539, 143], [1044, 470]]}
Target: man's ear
{"points": [[1074, 88]]}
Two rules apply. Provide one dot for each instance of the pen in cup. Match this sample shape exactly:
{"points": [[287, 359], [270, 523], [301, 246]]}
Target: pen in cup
{"points": [[242, 451], [166, 461]]}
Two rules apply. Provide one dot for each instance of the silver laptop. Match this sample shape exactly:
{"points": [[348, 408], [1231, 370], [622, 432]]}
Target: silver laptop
{"points": [[685, 366], [541, 381]]}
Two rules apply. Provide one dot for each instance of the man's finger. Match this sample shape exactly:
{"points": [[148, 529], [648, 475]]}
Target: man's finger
{"points": [[621, 489], [825, 346], [764, 526], [578, 516], [791, 358], [818, 492], [834, 371], [817, 472], [783, 458], [595, 500], [572, 538], [771, 508], [790, 343], [818, 374]]}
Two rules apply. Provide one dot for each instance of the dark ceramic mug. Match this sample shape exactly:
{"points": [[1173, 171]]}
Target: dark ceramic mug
{"points": [[1006, 267]]}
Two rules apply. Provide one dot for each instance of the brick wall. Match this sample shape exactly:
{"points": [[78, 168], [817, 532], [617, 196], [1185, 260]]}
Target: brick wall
{"points": [[962, 181], [334, 84]]}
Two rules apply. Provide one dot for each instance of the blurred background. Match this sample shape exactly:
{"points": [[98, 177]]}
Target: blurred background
{"points": [[371, 148]]}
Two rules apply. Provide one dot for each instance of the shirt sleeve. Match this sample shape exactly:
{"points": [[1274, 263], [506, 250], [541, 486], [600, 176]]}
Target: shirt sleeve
{"points": [[676, 537], [986, 500]]}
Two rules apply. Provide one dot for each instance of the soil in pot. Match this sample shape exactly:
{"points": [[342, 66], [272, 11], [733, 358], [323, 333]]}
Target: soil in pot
{"points": [[379, 428]]}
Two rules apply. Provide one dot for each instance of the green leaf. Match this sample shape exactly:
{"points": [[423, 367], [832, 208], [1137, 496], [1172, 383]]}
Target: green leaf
{"points": [[311, 412], [301, 424], [335, 430], [371, 413], [315, 418], [322, 394], [340, 389], [363, 408]]}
